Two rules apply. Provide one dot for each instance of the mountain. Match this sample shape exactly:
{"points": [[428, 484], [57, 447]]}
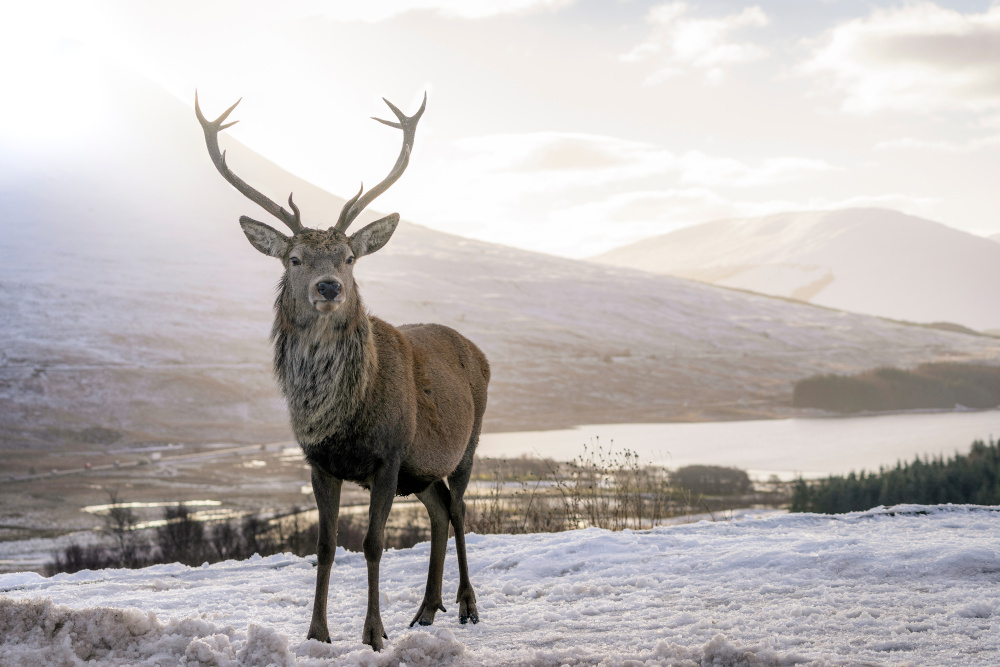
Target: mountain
{"points": [[872, 261], [134, 308]]}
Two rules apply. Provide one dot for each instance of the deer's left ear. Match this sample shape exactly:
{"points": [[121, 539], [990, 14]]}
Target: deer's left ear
{"points": [[373, 236]]}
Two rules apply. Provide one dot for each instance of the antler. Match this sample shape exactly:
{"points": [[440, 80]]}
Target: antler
{"points": [[212, 129], [408, 124]]}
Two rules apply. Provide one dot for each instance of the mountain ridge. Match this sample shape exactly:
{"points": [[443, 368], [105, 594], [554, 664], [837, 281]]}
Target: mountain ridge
{"points": [[873, 261]]}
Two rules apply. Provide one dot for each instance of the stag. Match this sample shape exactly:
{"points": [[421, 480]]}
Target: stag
{"points": [[396, 409]]}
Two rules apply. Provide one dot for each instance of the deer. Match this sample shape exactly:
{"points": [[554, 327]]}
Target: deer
{"points": [[397, 410]]}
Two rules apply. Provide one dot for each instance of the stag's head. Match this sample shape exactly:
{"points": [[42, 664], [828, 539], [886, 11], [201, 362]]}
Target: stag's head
{"points": [[319, 263]]}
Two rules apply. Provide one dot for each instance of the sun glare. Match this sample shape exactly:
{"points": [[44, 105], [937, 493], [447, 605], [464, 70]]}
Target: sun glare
{"points": [[56, 80]]}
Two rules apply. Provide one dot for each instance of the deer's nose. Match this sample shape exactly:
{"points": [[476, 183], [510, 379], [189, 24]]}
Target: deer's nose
{"points": [[329, 289]]}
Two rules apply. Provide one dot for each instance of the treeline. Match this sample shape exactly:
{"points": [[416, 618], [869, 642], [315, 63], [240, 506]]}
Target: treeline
{"points": [[929, 386], [184, 539], [965, 478]]}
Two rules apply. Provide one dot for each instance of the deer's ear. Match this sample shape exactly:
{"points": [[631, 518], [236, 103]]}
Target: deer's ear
{"points": [[266, 239], [373, 236]]}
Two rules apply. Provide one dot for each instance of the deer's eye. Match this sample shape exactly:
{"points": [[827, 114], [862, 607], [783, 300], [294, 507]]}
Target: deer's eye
{"points": [[294, 261], [350, 260]]}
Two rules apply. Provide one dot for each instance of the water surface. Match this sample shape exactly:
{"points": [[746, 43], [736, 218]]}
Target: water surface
{"points": [[786, 447]]}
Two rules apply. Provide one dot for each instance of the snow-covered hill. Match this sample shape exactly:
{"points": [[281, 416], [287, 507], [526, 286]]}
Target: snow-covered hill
{"points": [[132, 301], [903, 586], [871, 261]]}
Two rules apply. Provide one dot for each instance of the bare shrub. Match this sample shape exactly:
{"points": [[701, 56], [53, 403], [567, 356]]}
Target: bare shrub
{"points": [[182, 538], [225, 540], [603, 487], [128, 547], [76, 557], [256, 534]]}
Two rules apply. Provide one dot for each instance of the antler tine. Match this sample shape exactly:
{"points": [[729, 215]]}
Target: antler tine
{"points": [[341, 224], [408, 124], [212, 129]]}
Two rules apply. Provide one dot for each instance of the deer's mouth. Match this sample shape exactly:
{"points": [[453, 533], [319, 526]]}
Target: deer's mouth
{"points": [[327, 305]]}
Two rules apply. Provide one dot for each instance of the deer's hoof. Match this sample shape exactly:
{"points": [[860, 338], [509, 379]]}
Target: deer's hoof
{"points": [[467, 607], [373, 635], [468, 612], [318, 633], [425, 615]]}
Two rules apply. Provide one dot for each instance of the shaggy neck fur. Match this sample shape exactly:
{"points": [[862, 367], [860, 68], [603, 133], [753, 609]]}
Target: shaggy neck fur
{"points": [[324, 364]]}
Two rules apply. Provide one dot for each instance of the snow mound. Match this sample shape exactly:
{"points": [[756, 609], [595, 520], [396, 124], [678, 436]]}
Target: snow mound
{"points": [[901, 585], [43, 634], [39, 632]]}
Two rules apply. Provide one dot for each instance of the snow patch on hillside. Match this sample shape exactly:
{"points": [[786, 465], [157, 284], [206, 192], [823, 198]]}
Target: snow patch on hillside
{"points": [[904, 585]]}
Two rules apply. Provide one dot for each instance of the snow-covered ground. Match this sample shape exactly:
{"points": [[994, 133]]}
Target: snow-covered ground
{"points": [[908, 585]]}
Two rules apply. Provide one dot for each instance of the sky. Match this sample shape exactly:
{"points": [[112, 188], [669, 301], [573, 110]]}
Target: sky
{"points": [[562, 126]]}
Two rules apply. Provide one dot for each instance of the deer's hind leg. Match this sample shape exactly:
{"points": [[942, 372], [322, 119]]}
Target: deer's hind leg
{"points": [[437, 499], [458, 481]]}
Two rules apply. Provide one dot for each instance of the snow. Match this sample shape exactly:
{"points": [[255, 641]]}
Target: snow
{"points": [[904, 585]]}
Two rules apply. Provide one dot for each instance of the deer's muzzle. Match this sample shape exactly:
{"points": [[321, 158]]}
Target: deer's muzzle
{"points": [[327, 294]]}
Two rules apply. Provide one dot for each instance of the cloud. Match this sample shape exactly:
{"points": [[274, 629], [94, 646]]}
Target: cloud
{"points": [[919, 58], [698, 168], [352, 10], [910, 143], [548, 160], [704, 43]]}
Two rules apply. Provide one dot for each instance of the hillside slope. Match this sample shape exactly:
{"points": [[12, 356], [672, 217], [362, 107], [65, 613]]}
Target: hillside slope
{"points": [[132, 302], [872, 261]]}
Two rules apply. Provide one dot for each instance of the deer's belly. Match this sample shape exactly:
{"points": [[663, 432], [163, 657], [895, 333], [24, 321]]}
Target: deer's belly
{"points": [[341, 460], [356, 464]]}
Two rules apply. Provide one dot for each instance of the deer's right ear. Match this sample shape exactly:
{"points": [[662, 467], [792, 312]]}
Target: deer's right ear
{"points": [[266, 239]]}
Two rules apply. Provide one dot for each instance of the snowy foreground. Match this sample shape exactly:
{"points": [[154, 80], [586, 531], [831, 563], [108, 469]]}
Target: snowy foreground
{"points": [[908, 585]]}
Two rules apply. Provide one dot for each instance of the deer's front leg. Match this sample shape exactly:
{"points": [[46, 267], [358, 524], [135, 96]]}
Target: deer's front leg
{"points": [[327, 491], [383, 490]]}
